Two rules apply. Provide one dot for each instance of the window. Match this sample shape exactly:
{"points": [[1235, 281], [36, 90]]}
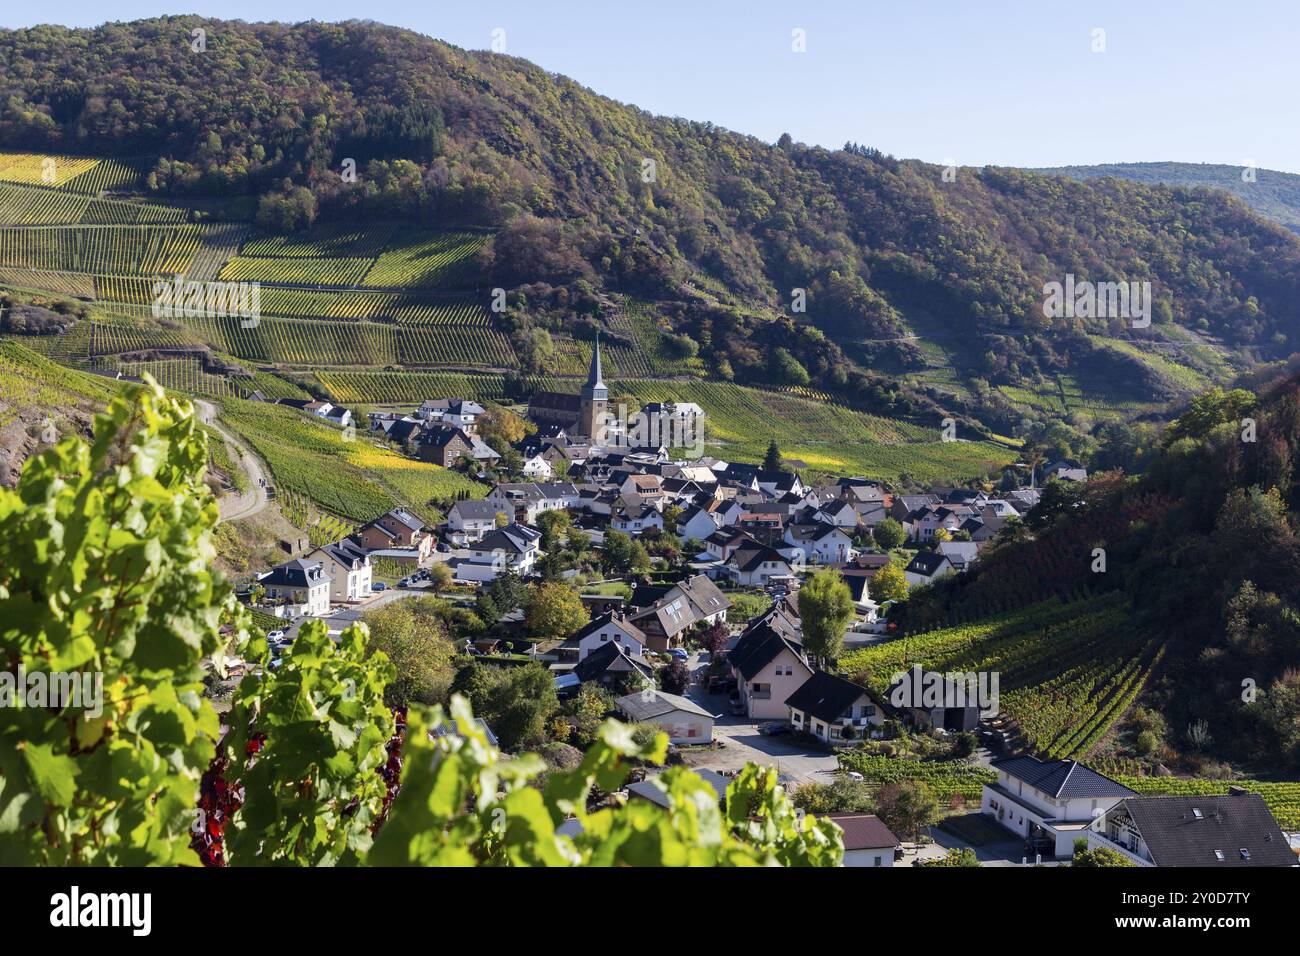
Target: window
{"points": [[1218, 855], [1196, 812], [878, 861], [1245, 854]]}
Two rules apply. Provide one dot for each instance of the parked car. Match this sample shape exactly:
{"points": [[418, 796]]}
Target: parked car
{"points": [[774, 729], [679, 654], [380, 586], [276, 636], [444, 547], [404, 583]]}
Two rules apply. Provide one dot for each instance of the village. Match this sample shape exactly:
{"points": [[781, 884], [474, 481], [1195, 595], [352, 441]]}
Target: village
{"points": [[693, 624]]}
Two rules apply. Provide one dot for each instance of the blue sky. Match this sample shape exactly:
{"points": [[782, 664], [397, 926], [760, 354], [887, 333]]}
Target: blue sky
{"points": [[1005, 82]]}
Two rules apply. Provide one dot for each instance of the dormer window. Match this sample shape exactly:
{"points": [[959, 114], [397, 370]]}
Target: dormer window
{"points": [[1218, 855], [1196, 813], [1245, 854]]}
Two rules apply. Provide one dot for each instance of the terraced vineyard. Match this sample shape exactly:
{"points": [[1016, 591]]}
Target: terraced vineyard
{"points": [[416, 260], [1067, 672], [349, 242], [75, 284], [29, 381], [21, 206], [294, 270], [945, 779], [81, 174], [138, 250], [385, 388]]}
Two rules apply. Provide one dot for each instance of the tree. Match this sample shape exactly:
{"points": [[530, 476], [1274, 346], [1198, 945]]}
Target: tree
{"points": [[714, 638], [907, 807], [889, 534], [555, 527], [826, 608], [440, 576], [954, 857], [674, 678], [621, 555], [1101, 856], [772, 460], [555, 611], [412, 635], [585, 710], [842, 795], [888, 584]]}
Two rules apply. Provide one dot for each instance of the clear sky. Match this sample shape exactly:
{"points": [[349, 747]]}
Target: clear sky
{"points": [[1010, 82]]}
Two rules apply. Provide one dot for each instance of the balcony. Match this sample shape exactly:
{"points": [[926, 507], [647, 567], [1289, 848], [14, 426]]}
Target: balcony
{"points": [[1102, 841]]}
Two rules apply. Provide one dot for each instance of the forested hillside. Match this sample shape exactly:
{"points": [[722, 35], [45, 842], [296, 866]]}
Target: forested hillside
{"points": [[904, 271], [1269, 192]]}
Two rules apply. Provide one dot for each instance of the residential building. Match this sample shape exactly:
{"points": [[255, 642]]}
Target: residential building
{"points": [[834, 710], [1236, 830], [347, 566], [613, 667], [769, 667], [926, 567], [1051, 803], [468, 521], [515, 547], [684, 721], [757, 565], [300, 582], [604, 628], [867, 841]]}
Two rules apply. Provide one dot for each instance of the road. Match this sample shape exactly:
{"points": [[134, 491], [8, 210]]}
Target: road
{"points": [[237, 507]]}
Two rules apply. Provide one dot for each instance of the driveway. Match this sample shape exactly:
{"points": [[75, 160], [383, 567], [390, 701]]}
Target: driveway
{"points": [[744, 744]]}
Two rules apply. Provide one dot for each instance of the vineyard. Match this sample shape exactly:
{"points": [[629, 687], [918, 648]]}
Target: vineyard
{"points": [[395, 388], [1067, 671], [323, 242], [139, 250], [351, 479], [295, 270], [419, 261], [74, 173], [944, 778]]}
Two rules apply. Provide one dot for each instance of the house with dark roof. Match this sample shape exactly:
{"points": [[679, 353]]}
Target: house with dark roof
{"points": [[347, 565], [515, 547], [867, 841], [836, 711], [926, 567], [468, 521], [610, 626], [1049, 803], [769, 666], [618, 671], [675, 609], [443, 445], [649, 790], [756, 565], [683, 720], [1229, 831], [299, 582]]}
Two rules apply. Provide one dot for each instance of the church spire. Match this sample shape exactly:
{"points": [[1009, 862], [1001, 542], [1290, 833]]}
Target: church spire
{"points": [[595, 379]]}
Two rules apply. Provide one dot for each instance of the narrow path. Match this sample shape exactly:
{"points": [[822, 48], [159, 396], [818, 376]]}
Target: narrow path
{"points": [[238, 507]]}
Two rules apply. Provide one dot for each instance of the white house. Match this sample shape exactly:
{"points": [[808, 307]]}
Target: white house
{"points": [[867, 841], [756, 565], [468, 521], [1051, 803], [684, 721], [960, 554], [821, 543], [603, 629], [697, 523], [347, 565], [526, 500], [514, 546], [634, 517], [300, 582], [536, 466], [834, 710], [769, 667], [926, 568], [462, 413]]}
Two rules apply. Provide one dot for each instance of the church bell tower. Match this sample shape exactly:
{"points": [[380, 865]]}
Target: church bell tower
{"points": [[595, 400]]}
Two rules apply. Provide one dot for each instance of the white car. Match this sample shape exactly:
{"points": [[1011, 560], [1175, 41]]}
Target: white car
{"points": [[275, 637]]}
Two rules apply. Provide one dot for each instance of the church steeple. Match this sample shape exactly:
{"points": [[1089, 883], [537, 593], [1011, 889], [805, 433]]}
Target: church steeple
{"points": [[595, 386]]}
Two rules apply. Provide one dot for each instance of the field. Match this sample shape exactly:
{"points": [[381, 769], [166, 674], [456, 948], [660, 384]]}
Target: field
{"points": [[1067, 672], [352, 479], [356, 242], [385, 388], [292, 270], [31, 381], [81, 174], [944, 778], [828, 438]]}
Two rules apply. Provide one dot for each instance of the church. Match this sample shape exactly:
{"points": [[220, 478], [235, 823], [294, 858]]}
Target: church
{"points": [[584, 415]]}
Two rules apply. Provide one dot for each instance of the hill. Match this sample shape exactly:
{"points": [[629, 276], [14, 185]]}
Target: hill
{"points": [[1201, 552], [888, 285], [1270, 193]]}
